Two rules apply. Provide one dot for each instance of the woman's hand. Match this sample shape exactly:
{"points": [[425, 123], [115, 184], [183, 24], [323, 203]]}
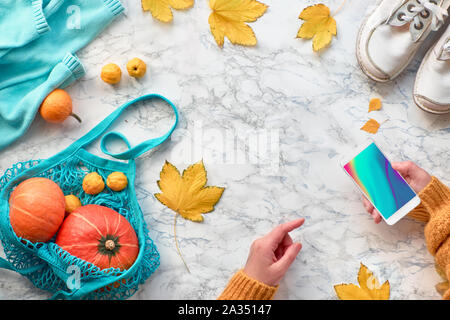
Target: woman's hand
{"points": [[416, 177], [271, 255]]}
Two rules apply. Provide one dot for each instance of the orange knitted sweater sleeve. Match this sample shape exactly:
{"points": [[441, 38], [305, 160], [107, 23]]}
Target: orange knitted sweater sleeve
{"points": [[242, 287], [435, 208]]}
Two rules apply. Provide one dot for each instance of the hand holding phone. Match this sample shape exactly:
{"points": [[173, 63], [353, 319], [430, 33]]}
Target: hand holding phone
{"points": [[385, 189], [415, 176]]}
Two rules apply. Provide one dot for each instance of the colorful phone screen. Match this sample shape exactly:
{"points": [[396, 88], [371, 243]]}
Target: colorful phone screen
{"points": [[380, 183]]}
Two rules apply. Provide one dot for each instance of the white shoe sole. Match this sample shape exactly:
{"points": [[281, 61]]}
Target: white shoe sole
{"points": [[417, 102]]}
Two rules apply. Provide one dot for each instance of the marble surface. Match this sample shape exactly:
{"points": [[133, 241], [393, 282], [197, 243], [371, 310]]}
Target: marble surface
{"points": [[271, 123]]}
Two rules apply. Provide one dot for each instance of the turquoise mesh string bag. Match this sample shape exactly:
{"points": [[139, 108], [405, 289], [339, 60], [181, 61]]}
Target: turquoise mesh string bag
{"points": [[53, 269]]}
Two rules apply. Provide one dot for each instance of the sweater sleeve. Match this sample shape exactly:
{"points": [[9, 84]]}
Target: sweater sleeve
{"points": [[435, 207], [21, 22], [242, 287]]}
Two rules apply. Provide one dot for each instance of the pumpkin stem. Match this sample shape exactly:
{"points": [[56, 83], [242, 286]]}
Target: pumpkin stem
{"points": [[110, 245], [76, 117]]}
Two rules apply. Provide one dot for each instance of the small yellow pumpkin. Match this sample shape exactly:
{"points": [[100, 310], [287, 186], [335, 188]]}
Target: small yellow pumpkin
{"points": [[111, 73], [136, 68], [72, 202], [117, 181], [93, 183]]}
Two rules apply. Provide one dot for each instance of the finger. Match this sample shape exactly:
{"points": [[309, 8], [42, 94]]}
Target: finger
{"points": [[404, 167], [289, 256], [376, 216], [367, 205], [287, 241], [372, 211], [277, 235], [284, 244], [279, 253]]}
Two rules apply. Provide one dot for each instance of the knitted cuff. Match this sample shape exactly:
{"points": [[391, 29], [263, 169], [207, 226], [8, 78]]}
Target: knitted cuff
{"points": [[74, 65], [420, 213], [51, 7], [242, 287], [115, 6], [434, 196], [39, 17], [436, 199], [77, 70]]}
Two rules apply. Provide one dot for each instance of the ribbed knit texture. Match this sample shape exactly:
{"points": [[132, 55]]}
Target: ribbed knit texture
{"points": [[420, 213], [242, 287], [435, 208], [39, 18], [115, 6], [74, 65]]}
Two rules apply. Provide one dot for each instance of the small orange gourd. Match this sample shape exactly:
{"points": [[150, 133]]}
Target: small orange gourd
{"points": [[57, 107], [72, 203], [93, 183], [117, 181], [136, 68], [111, 73]]}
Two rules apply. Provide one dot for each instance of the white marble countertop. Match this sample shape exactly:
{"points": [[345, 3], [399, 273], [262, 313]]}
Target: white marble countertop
{"points": [[306, 109]]}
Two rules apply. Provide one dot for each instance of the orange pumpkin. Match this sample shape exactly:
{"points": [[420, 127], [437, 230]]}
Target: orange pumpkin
{"points": [[99, 235], [36, 209]]}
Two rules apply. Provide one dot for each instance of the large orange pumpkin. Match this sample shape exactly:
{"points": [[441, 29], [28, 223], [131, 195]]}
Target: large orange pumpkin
{"points": [[36, 209], [99, 235]]}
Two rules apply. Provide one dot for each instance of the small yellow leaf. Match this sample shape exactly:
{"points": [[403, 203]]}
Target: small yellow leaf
{"points": [[351, 292], [161, 9], [374, 104], [187, 194], [442, 287], [369, 288], [228, 19], [318, 25], [371, 126]]}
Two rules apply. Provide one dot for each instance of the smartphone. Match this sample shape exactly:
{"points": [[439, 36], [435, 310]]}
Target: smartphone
{"points": [[384, 187]]}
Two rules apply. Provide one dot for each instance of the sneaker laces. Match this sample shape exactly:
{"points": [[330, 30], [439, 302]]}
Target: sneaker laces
{"points": [[446, 46], [421, 7], [438, 13]]}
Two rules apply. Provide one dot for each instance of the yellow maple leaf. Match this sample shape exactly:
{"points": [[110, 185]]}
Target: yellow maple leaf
{"points": [[318, 25], [369, 288], [374, 104], [371, 126], [161, 9], [187, 194], [228, 19]]}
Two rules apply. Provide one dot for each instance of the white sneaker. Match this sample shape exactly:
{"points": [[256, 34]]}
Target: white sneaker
{"points": [[432, 87], [392, 34]]}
